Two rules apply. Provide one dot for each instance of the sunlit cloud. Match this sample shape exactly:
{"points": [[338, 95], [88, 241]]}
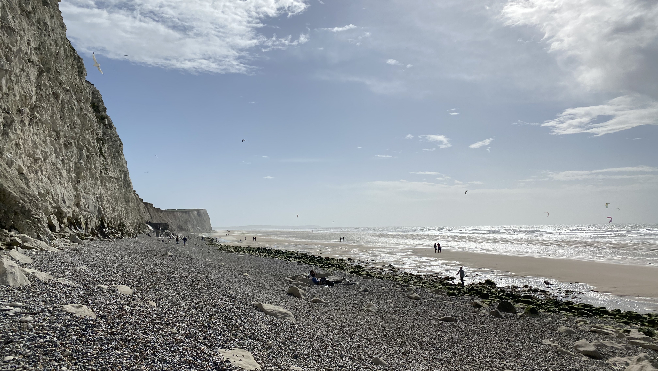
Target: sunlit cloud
{"points": [[340, 29], [441, 140], [481, 143]]}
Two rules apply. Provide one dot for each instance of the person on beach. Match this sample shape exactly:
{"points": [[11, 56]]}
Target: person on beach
{"points": [[435, 248], [184, 240], [319, 281], [438, 246], [461, 274], [177, 240]]}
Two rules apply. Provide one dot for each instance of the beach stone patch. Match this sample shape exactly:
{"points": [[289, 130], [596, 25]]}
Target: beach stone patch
{"points": [[20, 257], [124, 290], [506, 307], [588, 349], [79, 310], [11, 274], [566, 330], [296, 292], [274, 311], [240, 358]]}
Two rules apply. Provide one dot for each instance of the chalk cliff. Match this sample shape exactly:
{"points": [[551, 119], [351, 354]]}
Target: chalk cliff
{"points": [[179, 220], [62, 167]]}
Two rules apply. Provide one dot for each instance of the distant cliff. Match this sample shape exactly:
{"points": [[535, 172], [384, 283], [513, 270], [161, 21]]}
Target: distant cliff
{"points": [[62, 167], [179, 220]]}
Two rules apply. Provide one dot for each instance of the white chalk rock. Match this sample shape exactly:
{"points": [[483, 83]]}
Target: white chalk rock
{"points": [[566, 330], [370, 307], [240, 358], [79, 310], [11, 274], [20, 257], [274, 311], [317, 300], [587, 349], [296, 292], [379, 362], [124, 290]]}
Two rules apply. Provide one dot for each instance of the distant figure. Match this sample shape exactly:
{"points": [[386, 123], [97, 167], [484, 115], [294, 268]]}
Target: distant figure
{"points": [[176, 240], [435, 248], [461, 274], [184, 240], [242, 140], [438, 246], [313, 277]]}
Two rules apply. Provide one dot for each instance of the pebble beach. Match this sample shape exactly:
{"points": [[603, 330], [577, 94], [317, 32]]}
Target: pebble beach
{"points": [[148, 303]]}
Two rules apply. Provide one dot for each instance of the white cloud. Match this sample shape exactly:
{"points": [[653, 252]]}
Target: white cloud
{"points": [[409, 136], [481, 143], [429, 149], [443, 141], [618, 114], [198, 35], [425, 173], [522, 123], [607, 45], [636, 172], [393, 62], [383, 156], [266, 156], [454, 113], [340, 29], [410, 65], [268, 177], [359, 147]]}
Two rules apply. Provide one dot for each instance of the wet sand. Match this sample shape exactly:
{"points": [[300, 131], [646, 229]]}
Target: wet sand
{"points": [[616, 279]]}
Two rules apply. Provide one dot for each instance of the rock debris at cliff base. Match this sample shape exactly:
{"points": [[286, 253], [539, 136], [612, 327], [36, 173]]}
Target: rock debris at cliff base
{"points": [[162, 306]]}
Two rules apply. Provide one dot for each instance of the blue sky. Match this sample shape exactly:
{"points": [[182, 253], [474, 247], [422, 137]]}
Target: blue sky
{"points": [[381, 113]]}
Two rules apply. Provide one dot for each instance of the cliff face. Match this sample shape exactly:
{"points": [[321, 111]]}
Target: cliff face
{"points": [[180, 220], [61, 159]]}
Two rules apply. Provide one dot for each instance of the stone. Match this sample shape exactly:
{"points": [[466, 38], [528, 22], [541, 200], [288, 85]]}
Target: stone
{"points": [[587, 349], [26, 319], [8, 358], [75, 239], [644, 344], [413, 296], [79, 310], [478, 304], [317, 300], [531, 311], [20, 257], [566, 330], [296, 292], [495, 313], [124, 290], [11, 274], [636, 335], [240, 358], [370, 307], [641, 362], [448, 319], [506, 307], [14, 241], [274, 311], [379, 362], [152, 303]]}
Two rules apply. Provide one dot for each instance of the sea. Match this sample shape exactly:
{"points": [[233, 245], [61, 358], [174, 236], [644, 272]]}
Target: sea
{"points": [[630, 244]]}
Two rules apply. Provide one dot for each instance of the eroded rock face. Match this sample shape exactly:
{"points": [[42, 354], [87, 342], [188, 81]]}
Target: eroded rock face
{"points": [[61, 159]]}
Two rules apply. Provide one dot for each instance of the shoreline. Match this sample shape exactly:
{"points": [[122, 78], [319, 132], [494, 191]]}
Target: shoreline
{"points": [[625, 281]]}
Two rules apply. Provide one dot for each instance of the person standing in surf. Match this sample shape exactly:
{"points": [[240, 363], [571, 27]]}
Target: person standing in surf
{"points": [[461, 274]]}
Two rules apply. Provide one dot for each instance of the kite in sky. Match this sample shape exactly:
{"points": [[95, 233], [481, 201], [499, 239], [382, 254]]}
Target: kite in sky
{"points": [[547, 214], [96, 64], [606, 204], [466, 191], [610, 221]]}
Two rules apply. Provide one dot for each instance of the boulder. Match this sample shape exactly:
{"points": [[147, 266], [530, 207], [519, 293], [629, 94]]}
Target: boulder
{"points": [[413, 296], [79, 310], [20, 257], [11, 274], [641, 362], [14, 241], [75, 239], [370, 307], [296, 292], [531, 311], [240, 358], [587, 349], [506, 307], [274, 311], [317, 300], [41, 276], [644, 344], [379, 362], [566, 330], [124, 290], [478, 304], [448, 319]]}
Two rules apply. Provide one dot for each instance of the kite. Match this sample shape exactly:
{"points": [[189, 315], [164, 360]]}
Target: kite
{"points": [[96, 64], [610, 219], [606, 204], [466, 191], [547, 214]]}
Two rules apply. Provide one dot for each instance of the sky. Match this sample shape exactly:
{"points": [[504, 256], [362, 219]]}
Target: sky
{"points": [[374, 113]]}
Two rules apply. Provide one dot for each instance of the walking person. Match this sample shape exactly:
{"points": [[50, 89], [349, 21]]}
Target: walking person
{"points": [[435, 248], [438, 246], [461, 274], [177, 240], [184, 240]]}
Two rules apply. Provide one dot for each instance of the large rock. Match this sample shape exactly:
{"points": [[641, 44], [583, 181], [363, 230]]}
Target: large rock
{"points": [[79, 310], [587, 349], [296, 292], [641, 362], [506, 307], [566, 330], [240, 358], [20, 257], [275, 311], [11, 274], [124, 290]]}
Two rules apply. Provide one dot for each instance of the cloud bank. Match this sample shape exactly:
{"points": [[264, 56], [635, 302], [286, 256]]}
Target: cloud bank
{"points": [[481, 143], [193, 35], [442, 140]]}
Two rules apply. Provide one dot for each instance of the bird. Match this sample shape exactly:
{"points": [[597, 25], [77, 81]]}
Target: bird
{"points": [[96, 64], [466, 191], [242, 140], [547, 214]]}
